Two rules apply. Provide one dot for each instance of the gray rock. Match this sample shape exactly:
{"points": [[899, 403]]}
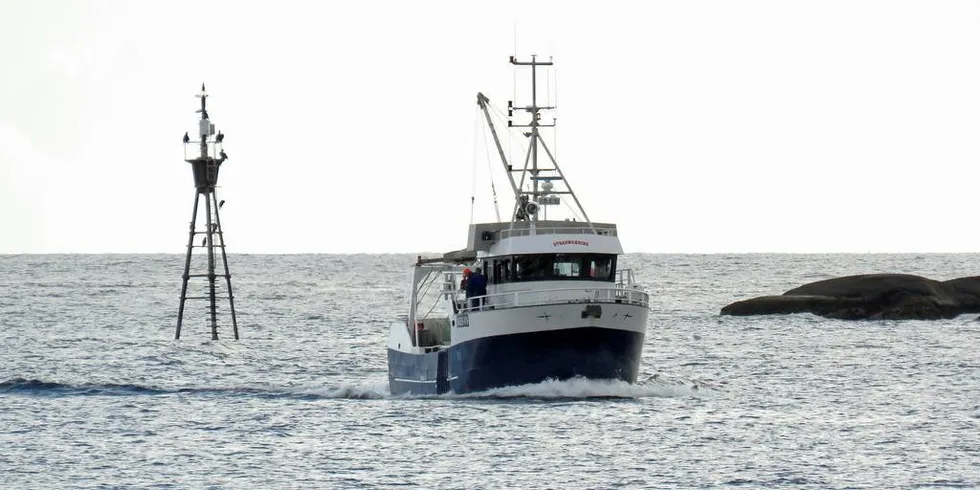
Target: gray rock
{"points": [[870, 296]]}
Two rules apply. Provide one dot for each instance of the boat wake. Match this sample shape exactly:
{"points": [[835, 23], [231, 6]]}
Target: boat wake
{"points": [[582, 388]]}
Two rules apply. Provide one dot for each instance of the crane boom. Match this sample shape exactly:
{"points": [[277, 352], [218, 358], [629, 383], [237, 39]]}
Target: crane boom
{"points": [[482, 100]]}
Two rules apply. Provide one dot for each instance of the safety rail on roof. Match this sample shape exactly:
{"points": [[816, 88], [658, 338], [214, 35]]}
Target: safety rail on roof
{"points": [[625, 278], [507, 233]]}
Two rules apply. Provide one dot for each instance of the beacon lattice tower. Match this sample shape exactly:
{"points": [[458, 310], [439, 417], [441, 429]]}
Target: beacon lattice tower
{"points": [[206, 156]]}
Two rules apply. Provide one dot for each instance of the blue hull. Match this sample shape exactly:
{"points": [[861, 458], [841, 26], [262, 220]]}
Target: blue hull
{"points": [[417, 374], [518, 359]]}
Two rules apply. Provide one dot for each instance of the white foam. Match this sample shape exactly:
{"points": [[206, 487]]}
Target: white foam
{"points": [[351, 391], [550, 389], [589, 388]]}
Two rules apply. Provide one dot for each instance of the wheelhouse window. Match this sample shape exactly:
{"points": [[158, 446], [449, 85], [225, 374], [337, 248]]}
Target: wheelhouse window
{"points": [[566, 265], [554, 267]]}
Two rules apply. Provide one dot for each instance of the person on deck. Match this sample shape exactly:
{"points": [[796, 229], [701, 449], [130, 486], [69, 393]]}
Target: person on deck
{"points": [[462, 285], [476, 285]]}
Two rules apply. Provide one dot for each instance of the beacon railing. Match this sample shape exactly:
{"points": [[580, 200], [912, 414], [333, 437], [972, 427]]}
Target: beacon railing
{"points": [[571, 230], [557, 296], [192, 150]]}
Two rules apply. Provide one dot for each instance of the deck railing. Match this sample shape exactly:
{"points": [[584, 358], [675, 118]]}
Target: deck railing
{"points": [[517, 299]]}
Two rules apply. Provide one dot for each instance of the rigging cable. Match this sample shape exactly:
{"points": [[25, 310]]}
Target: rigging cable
{"points": [[570, 208], [476, 132], [427, 284], [493, 185], [554, 133], [556, 87], [502, 120], [482, 135], [524, 149]]}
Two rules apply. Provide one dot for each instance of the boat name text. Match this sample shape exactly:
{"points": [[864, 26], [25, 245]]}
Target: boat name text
{"points": [[570, 242]]}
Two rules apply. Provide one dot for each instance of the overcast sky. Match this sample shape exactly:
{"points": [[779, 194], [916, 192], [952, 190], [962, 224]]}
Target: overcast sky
{"points": [[696, 126]]}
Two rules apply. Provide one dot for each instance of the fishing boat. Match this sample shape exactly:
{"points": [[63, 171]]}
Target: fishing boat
{"points": [[545, 300]]}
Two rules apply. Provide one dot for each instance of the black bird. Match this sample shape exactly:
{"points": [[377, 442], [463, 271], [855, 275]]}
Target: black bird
{"points": [[187, 138], [204, 241], [222, 203], [221, 136], [224, 156]]}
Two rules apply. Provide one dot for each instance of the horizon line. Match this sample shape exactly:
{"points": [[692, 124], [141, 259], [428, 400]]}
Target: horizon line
{"points": [[429, 254]]}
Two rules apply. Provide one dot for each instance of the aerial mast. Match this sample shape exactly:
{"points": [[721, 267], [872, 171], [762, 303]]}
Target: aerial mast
{"points": [[543, 191], [535, 111]]}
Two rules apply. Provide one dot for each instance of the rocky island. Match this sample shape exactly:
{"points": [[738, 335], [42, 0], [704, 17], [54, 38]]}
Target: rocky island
{"points": [[871, 297]]}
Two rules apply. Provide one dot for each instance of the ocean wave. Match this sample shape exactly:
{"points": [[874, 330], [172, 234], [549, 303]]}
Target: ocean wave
{"points": [[571, 389], [39, 387], [36, 387]]}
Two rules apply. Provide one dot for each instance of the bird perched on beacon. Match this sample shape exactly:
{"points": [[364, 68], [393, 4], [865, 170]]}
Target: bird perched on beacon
{"points": [[187, 138]]}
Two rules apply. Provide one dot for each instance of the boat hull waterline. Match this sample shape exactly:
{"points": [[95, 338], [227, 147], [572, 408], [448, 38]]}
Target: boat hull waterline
{"points": [[527, 357]]}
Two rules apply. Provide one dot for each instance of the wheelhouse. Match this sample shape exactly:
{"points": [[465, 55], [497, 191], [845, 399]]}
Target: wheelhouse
{"points": [[551, 267]]}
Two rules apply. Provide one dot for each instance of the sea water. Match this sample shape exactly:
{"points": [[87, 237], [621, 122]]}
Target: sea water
{"points": [[95, 393]]}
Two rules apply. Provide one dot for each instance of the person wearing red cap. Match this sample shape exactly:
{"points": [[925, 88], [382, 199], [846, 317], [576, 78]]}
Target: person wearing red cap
{"points": [[466, 278]]}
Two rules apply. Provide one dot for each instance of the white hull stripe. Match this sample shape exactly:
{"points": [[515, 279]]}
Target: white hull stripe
{"points": [[428, 381]]}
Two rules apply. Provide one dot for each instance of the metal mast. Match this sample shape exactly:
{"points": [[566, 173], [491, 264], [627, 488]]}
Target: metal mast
{"points": [[205, 168], [535, 112], [542, 191]]}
